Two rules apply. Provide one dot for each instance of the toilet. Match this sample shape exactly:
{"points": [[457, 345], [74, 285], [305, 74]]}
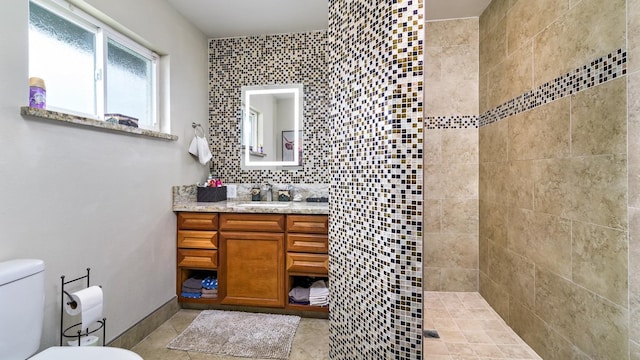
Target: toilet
{"points": [[22, 314]]}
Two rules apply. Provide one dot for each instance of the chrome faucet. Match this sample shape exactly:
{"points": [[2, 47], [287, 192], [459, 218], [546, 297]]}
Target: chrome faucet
{"points": [[269, 189]]}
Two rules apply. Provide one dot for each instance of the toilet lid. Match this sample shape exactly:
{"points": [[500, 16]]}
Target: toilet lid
{"points": [[86, 352]]}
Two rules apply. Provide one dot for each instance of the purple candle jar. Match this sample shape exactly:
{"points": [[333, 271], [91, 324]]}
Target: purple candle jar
{"points": [[37, 93]]}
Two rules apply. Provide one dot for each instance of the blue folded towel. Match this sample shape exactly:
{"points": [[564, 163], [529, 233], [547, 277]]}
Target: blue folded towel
{"points": [[210, 283], [191, 295]]}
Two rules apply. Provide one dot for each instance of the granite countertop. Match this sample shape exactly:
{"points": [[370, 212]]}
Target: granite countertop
{"points": [[263, 207], [184, 199]]}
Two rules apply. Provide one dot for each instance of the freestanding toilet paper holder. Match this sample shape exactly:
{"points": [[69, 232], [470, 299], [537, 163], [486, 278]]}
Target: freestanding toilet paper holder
{"points": [[79, 334]]}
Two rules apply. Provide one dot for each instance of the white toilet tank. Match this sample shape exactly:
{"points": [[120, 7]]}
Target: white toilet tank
{"points": [[21, 307]]}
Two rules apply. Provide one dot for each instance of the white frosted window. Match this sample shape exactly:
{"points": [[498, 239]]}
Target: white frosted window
{"points": [[130, 88], [63, 54], [90, 68]]}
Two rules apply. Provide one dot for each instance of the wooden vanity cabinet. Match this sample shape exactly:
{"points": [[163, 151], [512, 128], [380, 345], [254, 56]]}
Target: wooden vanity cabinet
{"points": [[252, 259], [307, 252], [255, 257], [197, 249]]}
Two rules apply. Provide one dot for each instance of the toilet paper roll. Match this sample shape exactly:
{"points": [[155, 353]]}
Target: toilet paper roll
{"points": [[88, 304], [84, 341]]}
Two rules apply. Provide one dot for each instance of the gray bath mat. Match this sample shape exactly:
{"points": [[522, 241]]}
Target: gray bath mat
{"points": [[240, 334]]}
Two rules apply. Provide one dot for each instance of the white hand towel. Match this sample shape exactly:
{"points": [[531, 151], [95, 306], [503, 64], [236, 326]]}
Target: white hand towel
{"points": [[193, 148], [204, 153]]}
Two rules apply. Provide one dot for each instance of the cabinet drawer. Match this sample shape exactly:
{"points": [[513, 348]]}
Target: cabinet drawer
{"points": [[316, 224], [252, 222], [197, 239], [310, 243], [197, 221], [201, 259], [307, 263]]}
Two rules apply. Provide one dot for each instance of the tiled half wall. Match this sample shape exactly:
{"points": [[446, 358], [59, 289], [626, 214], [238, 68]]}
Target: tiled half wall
{"points": [[376, 77]]}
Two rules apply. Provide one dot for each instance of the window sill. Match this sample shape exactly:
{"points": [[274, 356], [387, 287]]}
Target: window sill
{"points": [[93, 123]]}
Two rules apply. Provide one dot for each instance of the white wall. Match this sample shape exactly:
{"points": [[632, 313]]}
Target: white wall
{"points": [[78, 197]]}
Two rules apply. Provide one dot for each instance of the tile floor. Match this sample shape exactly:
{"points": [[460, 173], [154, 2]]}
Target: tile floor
{"points": [[468, 328], [310, 343]]}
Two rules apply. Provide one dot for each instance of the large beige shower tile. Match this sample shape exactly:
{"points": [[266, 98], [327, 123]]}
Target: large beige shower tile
{"points": [[432, 147], [634, 350], [460, 146], [493, 48], [514, 273], [599, 119], [493, 222], [494, 186], [458, 279], [512, 77], [541, 337], [527, 18], [460, 62], [520, 183], [633, 35], [589, 189], [541, 133], [451, 32], [493, 142], [460, 216], [452, 180], [451, 98], [432, 216], [591, 29], [493, 15], [496, 295], [599, 190], [543, 239], [633, 125], [452, 251], [432, 64], [634, 272], [599, 257], [601, 330]]}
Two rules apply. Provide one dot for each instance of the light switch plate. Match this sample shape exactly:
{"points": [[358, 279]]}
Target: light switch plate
{"points": [[232, 191]]}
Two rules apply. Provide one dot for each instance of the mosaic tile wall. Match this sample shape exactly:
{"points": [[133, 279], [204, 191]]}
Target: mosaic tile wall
{"points": [[262, 60], [598, 71], [376, 79]]}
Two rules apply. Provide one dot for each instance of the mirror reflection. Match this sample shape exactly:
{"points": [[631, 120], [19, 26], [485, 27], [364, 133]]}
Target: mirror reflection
{"points": [[272, 125]]}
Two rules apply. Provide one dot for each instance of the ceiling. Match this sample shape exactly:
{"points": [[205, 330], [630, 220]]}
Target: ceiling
{"points": [[225, 18]]}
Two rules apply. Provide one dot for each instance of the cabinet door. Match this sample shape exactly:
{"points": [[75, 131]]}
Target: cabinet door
{"points": [[252, 268]]}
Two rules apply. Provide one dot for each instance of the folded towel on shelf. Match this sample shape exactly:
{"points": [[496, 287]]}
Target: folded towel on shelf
{"points": [[209, 283], [293, 301], [209, 291], [299, 294], [319, 294], [193, 283], [190, 295], [209, 296], [191, 290]]}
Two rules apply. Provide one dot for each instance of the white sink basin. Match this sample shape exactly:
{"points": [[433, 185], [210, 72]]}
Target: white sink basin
{"points": [[265, 204]]}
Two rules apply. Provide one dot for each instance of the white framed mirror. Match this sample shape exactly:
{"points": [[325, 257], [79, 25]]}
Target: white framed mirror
{"points": [[272, 126]]}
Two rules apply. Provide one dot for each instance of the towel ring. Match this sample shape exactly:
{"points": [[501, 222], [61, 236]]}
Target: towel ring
{"points": [[195, 129]]}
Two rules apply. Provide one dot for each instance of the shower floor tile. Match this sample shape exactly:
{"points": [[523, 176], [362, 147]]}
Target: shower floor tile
{"points": [[469, 329]]}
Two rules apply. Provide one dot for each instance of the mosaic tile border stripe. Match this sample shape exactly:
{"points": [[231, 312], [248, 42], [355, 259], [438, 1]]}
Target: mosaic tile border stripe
{"points": [[451, 122], [603, 69]]}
